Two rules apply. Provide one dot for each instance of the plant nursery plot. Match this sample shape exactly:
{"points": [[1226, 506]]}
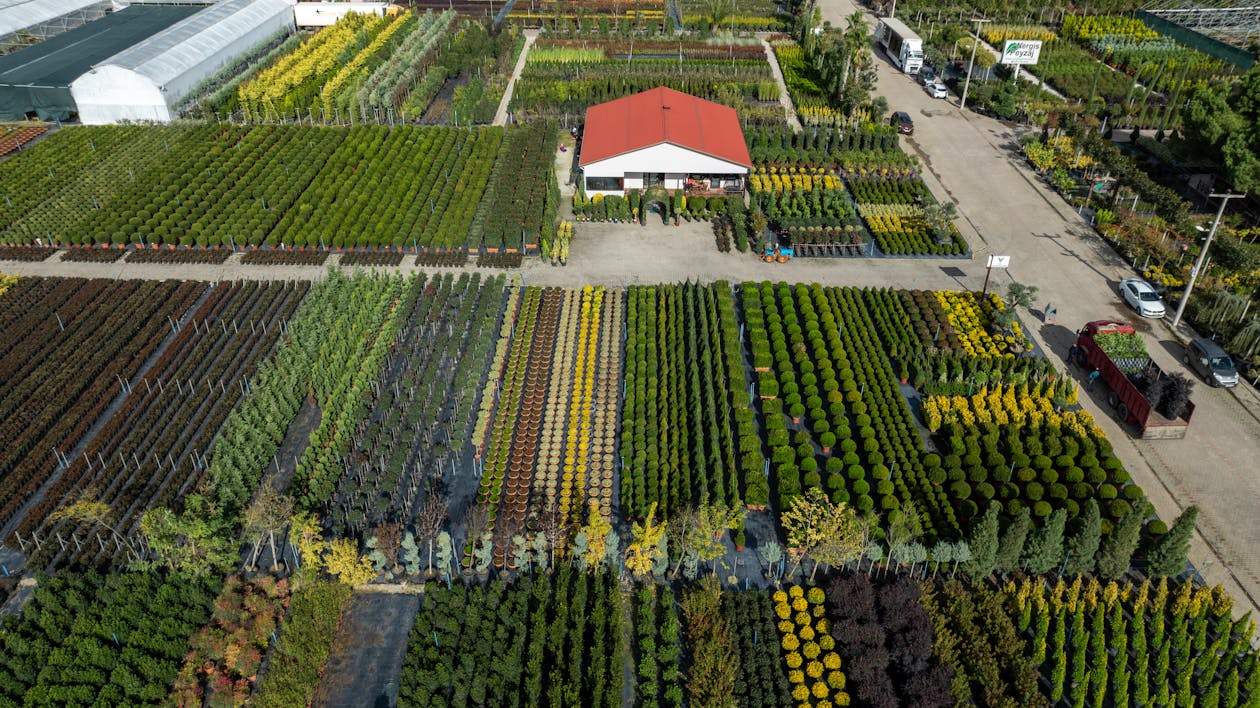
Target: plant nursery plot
{"points": [[895, 212], [521, 194], [884, 636], [86, 639], [389, 86], [152, 448], [972, 634], [225, 655], [342, 340], [394, 187], [860, 151], [762, 679], [412, 442], [291, 86], [809, 651], [305, 640], [16, 137], [225, 187], [742, 15], [466, 84], [52, 189], [546, 431], [560, 83], [642, 16], [658, 680], [72, 341], [553, 639], [1134, 644], [687, 438], [833, 415]]}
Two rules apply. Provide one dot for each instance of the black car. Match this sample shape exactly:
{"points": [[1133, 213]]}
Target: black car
{"points": [[905, 125]]}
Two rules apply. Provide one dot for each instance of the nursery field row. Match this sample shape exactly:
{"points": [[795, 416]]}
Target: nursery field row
{"points": [[567, 80], [72, 347], [397, 371], [224, 185], [851, 639], [848, 188], [546, 433], [151, 450], [430, 68]]}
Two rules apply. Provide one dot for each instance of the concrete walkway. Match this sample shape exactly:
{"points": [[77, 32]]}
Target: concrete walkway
{"points": [[785, 98], [501, 115]]}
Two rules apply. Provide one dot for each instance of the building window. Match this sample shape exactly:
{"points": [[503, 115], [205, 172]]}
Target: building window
{"points": [[603, 184]]}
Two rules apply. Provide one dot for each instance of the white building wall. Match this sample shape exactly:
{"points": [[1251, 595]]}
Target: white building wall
{"points": [[109, 94], [665, 158], [670, 160], [322, 14]]}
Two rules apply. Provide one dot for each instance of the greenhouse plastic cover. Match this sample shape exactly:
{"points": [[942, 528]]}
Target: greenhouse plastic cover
{"points": [[17, 15], [37, 79], [184, 47]]}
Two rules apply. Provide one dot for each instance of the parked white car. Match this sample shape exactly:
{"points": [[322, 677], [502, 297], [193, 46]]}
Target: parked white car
{"points": [[937, 89], [1142, 297]]}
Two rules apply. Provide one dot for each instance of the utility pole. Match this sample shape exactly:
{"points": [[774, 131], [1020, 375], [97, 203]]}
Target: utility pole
{"points": [[1198, 264], [975, 42]]}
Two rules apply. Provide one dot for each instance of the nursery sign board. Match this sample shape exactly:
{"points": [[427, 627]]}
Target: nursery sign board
{"points": [[1021, 51]]}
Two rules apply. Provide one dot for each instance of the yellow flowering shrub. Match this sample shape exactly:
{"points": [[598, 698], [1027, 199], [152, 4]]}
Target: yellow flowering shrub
{"points": [[1024, 405], [832, 661], [800, 604], [971, 319], [812, 665], [794, 660], [801, 692]]}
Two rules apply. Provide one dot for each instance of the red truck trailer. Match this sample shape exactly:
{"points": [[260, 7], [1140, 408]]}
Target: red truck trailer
{"points": [[1129, 403]]}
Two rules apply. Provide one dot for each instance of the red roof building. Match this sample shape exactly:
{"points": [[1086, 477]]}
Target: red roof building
{"points": [[664, 137]]}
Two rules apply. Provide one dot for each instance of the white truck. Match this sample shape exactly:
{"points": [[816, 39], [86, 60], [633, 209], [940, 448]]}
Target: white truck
{"points": [[901, 44]]}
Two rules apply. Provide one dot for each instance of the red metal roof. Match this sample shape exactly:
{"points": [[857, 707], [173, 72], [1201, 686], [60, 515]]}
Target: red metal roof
{"points": [[662, 115]]}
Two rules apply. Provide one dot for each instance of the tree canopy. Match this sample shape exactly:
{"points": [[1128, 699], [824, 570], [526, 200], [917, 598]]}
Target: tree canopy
{"points": [[1222, 121]]}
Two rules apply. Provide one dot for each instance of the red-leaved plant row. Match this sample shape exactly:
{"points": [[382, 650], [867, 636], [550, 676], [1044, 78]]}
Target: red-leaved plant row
{"points": [[25, 253], [69, 376], [93, 255], [170, 419], [179, 255], [14, 137], [286, 257]]}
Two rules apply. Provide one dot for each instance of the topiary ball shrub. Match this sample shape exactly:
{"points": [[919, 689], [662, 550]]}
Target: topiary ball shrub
{"points": [[1120, 476], [960, 490], [1095, 475], [889, 502], [884, 487], [1082, 490], [813, 479], [865, 503], [985, 490], [1014, 507], [1073, 509], [1156, 528], [1106, 492], [975, 475], [1074, 475], [1034, 491], [1133, 493], [1058, 491], [968, 508], [1026, 475], [1049, 477], [861, 487], [936, 475], [931, 460], [1042, 509], [1118, 508]]}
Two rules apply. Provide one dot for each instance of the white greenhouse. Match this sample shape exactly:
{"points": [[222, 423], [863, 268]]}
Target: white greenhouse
{"points": [[22, 21], [147, 81]]}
